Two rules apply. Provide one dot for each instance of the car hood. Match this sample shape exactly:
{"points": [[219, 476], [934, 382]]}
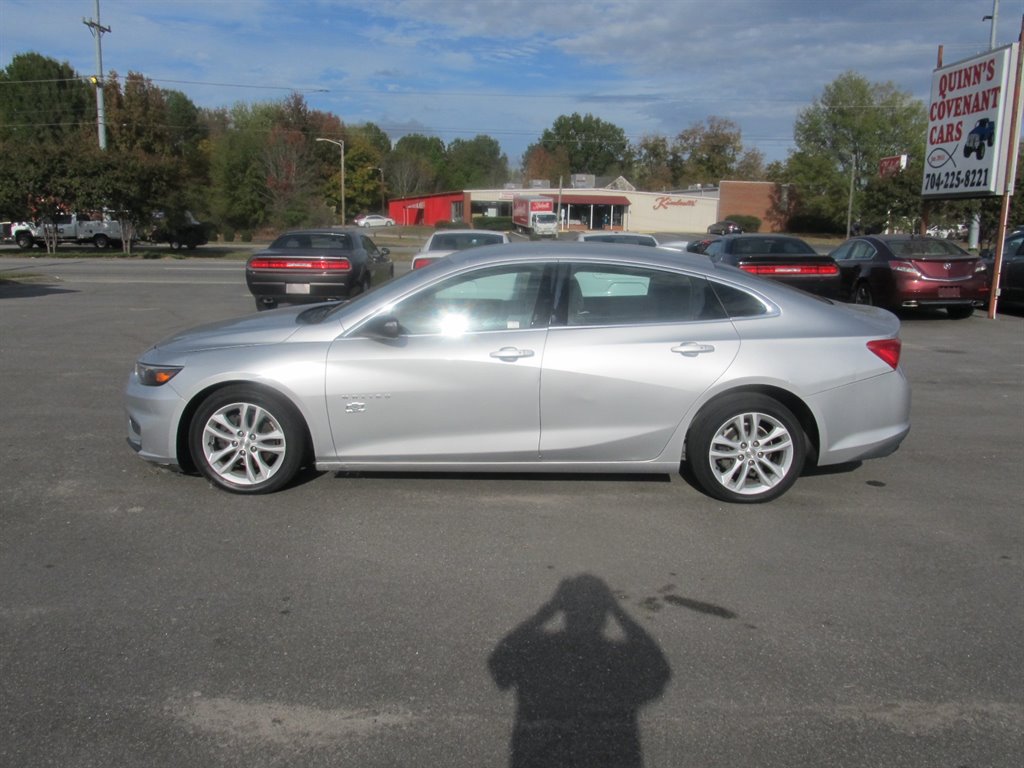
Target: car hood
{"points": [[260, 328]]}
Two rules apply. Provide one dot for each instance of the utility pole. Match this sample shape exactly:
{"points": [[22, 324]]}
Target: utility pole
{"points": [[382, 211], [97, 30], [341, 145]]}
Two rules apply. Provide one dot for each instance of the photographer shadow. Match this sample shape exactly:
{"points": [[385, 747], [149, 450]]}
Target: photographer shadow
{"points": [[579, 686]]}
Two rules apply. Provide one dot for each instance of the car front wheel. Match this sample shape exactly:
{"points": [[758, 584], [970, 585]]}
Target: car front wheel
{"points": [[746, 448], [247, 441]]}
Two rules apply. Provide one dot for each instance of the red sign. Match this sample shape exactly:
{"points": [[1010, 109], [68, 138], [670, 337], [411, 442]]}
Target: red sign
{"points": [[890, 166]]}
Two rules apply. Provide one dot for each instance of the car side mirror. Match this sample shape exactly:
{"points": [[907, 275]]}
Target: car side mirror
{"points": [[385, 251], [383, 327]]}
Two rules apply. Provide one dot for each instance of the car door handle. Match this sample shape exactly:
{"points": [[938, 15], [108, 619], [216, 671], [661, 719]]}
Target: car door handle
{"points": [[692, 348], [512, 353]]}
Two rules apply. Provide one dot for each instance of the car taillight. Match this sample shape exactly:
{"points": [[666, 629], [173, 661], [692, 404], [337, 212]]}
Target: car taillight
{"points": [[904, 266], [790, 269], [888, 350], [421, 263], [319, 265]]}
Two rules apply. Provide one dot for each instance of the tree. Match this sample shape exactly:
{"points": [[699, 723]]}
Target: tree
{"points": [[415, 165], [478, 163], [539, 163], [708, 153], [841, 137], [653, 164], [591, 144], [44, 101]]}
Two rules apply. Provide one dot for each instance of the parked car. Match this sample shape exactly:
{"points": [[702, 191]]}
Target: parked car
{"points": [[1011, 276], [446, 241], [556, 357], [779, 257], [623, 238], [700, 245], [314, 265], [725, 228], [908, 271], [373, 220]]}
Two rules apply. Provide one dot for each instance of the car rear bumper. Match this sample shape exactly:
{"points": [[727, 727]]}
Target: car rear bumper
{"points": [[867, 419], [298, 288], [924, 293]]}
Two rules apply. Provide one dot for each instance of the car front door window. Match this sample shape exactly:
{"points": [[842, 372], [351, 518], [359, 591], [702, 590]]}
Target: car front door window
{"points": [[495, 299]]}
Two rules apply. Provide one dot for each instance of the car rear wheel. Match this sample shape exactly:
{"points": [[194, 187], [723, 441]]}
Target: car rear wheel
{"points": [[862, 294], [247, 441], [102, 242], [746, 448], [960, 312]]}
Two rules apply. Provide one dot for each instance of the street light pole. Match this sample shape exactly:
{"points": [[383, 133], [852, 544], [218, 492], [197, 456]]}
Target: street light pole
{"points": [[341, 145], [382, 211]]}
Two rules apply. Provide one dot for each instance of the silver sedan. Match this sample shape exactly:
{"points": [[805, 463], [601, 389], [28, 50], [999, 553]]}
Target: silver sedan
{"points": [[562, 357]]}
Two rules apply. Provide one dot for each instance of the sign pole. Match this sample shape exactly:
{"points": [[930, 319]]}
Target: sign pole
{"points": [[1011, 165]]}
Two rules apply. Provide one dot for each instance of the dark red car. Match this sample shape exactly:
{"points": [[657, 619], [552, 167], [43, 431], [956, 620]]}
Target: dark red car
{"points": [[909, 271]]}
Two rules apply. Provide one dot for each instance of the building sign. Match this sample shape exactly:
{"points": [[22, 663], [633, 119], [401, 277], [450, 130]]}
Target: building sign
{"points": [[969, 116], [890, 166], [664, 203]]}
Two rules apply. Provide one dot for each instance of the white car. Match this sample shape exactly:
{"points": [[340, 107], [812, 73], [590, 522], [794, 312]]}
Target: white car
{"points": [[374, 220], [446, 241], [622, 238]]}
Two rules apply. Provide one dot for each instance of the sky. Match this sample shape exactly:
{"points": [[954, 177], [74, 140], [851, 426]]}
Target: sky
{"points": [[510, 68]]}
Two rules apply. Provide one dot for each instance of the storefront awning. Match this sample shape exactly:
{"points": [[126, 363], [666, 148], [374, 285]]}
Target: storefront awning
{"points": [[593, 199]]}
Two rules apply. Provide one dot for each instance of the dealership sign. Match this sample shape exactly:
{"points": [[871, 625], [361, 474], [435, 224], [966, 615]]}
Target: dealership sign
{"points": [[890, 166], [969, 118]]}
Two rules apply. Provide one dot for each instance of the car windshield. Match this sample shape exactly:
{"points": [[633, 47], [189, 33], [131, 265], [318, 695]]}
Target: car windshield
{"points": [[302, 241], [925, 247], [460, 241], [546, 218]]}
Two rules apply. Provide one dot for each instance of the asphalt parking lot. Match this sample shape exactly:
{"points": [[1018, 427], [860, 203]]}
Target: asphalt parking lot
{"points": [[871, 616]]}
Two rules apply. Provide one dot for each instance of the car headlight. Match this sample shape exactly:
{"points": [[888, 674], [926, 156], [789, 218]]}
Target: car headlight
{"points": [[155, 375]]}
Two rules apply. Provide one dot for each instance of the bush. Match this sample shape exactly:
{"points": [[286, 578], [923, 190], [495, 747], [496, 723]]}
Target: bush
{"points": [[445, 224], [229, 234], [246, 235], [499, 223]]}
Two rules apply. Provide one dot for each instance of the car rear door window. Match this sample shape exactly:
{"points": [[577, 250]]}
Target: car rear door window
{"points": [[599, 294]]}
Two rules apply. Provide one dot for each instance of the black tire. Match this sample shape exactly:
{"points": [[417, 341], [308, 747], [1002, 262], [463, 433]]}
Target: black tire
{"points": [[967, 151], [24, 240], [746, 468], [959, 312], [263, 303], [981, 150], [246, 440], [862, 294], [102, 242], [175, 244]]}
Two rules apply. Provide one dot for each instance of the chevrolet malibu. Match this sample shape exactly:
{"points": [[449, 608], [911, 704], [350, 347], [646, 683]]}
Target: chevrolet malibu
{"points": [[533, 358]]}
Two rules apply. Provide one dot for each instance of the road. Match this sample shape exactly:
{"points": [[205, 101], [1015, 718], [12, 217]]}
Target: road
{"points": [[871, 617]]}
